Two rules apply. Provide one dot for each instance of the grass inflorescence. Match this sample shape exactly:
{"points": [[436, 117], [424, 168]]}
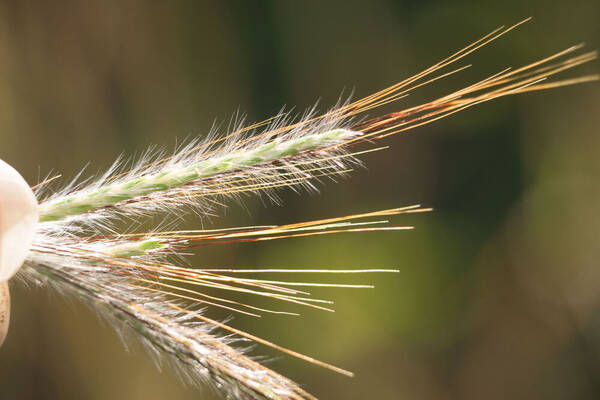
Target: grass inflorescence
{"points": [[131, 277]]}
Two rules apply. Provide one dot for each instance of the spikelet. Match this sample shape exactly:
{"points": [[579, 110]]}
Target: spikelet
{"points": [[129, 277]]}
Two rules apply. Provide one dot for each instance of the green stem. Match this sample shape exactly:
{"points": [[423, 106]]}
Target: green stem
{"points": [[112, 193], [137, 248]]}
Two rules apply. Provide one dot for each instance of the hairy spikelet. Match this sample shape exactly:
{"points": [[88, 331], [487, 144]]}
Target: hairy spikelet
{"points": [[130, 277], [195, 172], [171, 329]]}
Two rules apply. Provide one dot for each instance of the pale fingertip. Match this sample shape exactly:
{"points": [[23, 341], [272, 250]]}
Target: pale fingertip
{"points": [[4, 310], [18, 217]]}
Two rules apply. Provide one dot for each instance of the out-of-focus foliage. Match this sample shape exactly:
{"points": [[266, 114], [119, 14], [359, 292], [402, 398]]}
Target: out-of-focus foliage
{"points": [[499, 291]]}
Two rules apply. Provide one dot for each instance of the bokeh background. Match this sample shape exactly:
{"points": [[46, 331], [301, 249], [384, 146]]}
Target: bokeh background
{"points": [[499, 291]]}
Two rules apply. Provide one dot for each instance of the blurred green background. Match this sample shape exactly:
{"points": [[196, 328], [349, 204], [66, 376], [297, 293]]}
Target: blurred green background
{"points": [[499, 291]]}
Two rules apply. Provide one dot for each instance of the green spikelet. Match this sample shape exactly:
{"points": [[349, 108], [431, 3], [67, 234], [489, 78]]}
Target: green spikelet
{"points": [[113, 193]]}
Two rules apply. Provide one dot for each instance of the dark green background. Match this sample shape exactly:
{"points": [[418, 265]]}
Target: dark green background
{"points": [[499, 291]]}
